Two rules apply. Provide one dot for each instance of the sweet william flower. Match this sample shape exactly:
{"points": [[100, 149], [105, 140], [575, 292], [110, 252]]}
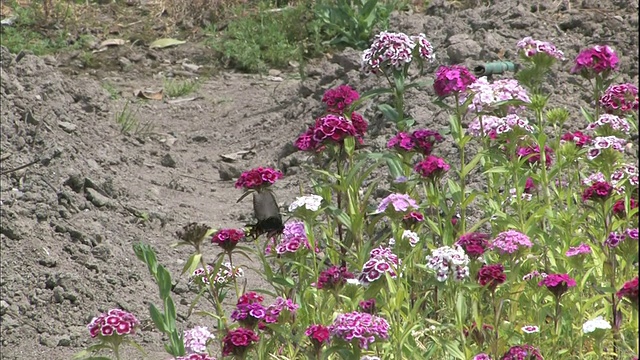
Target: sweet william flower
{"points": [[558, 284], [482, 356], [487, 95], [600, 190], [195, 356], [309, 202], [578, 250], [333, 278], [451, 80], [530, 329], [258, 178], [446, 261], [366, 328], [510, 241], [630, 291], [474, 244], [319, 334], [530, 48], [381, 260], [595, 324], [227, 239], [368, 306], [195, 340], [522, 352], [432, 167], [491, 276], [238, 341], [532, 153], [577, 137], [620, 99], [399, 202], [340, 98], [113, 323], [595, 60], [610, 121]]}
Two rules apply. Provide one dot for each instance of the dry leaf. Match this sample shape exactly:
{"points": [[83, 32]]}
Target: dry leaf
{"points": [[148, 94], [111, 42], [164, 43]]}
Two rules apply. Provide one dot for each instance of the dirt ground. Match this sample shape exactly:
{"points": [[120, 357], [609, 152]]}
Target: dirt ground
{"points": [[68, 221]]}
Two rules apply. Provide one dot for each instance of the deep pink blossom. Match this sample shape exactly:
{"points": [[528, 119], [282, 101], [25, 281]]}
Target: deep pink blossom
{"points": [[381, 260], [558, 284], [452, 79], [510, 241], [491, 275], [368, 306], [578, 250], [227, 239], [595, 60], [532, 152], [258, 178], [318, 334], [600, 190], [238, 341], [522, 352], [619, 99], [432, 167], [340, 98], [630, 291], [333, 278], [474, 244], [114, 322], [425, 139], [577, 138]]}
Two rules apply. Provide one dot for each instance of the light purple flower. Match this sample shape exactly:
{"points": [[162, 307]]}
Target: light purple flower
{"points": [[195, 340], [294, 237], [578, 250], [400, 203], [611, 121], [395, 50], [620, 98], [632, 233], [605, 142], [510, 241], [486, 95], [364, 327], [482, 356], [531, 48], [494, 126], [381, 260]]}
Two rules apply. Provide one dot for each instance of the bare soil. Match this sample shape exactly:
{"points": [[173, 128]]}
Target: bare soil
{"points": [[69, 219]]}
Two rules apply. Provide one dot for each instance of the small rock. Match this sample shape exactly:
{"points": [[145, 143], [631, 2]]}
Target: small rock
{"points": [[124, 62], [168, 161], [58, 294], [64, 341], [3, 307], [67, 126], [75, 182], [228, 172], [102, 252], [191, 67], [46, 341], [462, 48], [48, 261], [96, 198], [274, 72], [50, 60], [275, 78]]}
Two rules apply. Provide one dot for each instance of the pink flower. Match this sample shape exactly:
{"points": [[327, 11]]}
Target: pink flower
{"points": [[294, 238], [359, 124], [614, 239], [368, 306], [452, 79], [558, 284], [474, 244], [258, 178], [632, 233], [394, 51], [491, 275], [195, 357], [331, 128], [238, 341], [400, 203], [402, 142], [115, 322], [319, 335], [595, 60], [531, 48], [362, 326], [630, 291], [532, 152], [227, 239], [340, 98], [487, 96], [273, 311], [432, 167], [333, 278], [600, 190], [412, 218], [578, 250], [249, 309], [619, 99], [381, 260], [425, 139], [610, 121], [522, 352], [482, 356], [493, 126], [510, 241], [195, 340], [577, 137]]}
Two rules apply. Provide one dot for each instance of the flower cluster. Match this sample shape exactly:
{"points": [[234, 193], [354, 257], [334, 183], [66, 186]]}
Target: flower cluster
{"points": [[249, 309], [394, 50], [599, 190], [452, 79], [368, 306], [531, 48], [319, 334], [486, 95], [309, 202], [605, 142], [400, 203], [432, 167], [494, 126], [329, 128], [629, 172], [413, 237], [412, 218], [491, 275], [599, 323], [482, 356], [577, 138], [274, 310], [510, 241], [630, 291], [595, 60], [226, 273], [474, 244], [522, 352], [195, 340], [258, 178], [421, 140], [381, 260], [532, 153], [340, 98], [558, 284], [114, 322], [294, 237], [530, 329], [237, 341], [619, 207], [362, 326], [614, 239], [195, 357], [333, 278], [449, 260], [227, 238], [610, 121], [578, 250], [534, 274], [620, 98]]}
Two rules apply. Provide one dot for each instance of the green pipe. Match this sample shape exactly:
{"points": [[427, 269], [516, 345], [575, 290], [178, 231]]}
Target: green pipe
{"points": [[493, 68]]}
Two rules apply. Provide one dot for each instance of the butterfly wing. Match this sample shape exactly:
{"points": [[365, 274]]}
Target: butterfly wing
{"points": [[267, 212]]}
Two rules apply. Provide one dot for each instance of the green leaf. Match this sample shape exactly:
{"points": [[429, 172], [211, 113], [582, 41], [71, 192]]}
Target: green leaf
{"points": [[169, 314], [245, 194], [350, 145], [158, 318], [284, 281], [472, 164], [191, 264], [340, 215], [389, 112], [164, 282]]}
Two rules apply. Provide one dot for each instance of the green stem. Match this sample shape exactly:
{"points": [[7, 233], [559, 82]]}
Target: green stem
{"points": [[463, 209], [235, 281], [214, 294]]}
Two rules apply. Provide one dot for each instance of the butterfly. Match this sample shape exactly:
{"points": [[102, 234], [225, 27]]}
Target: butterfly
{"points": [[267, 212]]}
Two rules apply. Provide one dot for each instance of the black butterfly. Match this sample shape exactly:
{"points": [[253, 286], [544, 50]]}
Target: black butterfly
{"points": [[267, 212]]}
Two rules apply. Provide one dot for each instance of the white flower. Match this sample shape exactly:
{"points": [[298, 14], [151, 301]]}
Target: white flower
{"points": [[309, 202], [530, 329], [595, 324], [412, 236], [353, 282]]}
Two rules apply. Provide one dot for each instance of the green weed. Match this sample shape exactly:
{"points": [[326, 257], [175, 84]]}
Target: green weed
{"points": [[176, 88], [114, 93], [129, 123]]}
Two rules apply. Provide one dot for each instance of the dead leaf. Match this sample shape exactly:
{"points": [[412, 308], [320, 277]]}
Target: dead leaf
{"points": [[179, 101], [111, 42], [148, 94], [237, 155], [164, 43]]}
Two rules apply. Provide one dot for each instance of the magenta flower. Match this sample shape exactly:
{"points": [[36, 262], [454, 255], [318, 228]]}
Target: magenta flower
{"points": [[359, 124], [578, 250], [381, 260], [474, 244], [619, 99], [195, 357], [400, 202], [402, 142], [452, 79], [632, 233], [366, 328], [227, 239], [249, 309], [113, 323], [630, 291], [596, 60], [600, 190], [333, 278], [531, 48], [195, 340], [532, 152], [238, 341], [330, 128], [273, 311], [368, 306], [600, 143], [412, 218], [558, 284], [510, 241], [491, 275], [577, 138], [432, 167], [294, 238], [522, 352], [340, 98], [614, 239], [482, 356], [258, 178], [425, 139], [612, 122], [619, 207], [319, 334]]}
